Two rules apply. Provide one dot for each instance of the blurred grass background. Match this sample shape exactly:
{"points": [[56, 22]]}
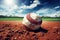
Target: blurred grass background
{"points": [[21, 18]]}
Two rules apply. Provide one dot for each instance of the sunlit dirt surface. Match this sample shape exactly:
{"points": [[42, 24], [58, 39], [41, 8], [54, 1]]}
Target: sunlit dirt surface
{"points": [[14, 30]]}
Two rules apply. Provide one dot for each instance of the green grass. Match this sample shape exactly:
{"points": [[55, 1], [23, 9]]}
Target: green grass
{"points": [[20, 19], [51, 18], [11, 19]]}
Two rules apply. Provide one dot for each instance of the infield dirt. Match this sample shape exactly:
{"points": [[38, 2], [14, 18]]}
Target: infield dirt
{"points": [[13, 30]]}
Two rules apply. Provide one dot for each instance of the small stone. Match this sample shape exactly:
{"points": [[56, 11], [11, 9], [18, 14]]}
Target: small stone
{"points": [[15, 38]]}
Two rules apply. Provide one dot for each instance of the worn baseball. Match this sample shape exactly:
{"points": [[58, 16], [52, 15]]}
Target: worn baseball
{"points": [[32, 21]]}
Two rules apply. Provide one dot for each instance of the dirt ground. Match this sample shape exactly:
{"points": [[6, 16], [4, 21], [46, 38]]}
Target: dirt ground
{"points": [[14, 30]]}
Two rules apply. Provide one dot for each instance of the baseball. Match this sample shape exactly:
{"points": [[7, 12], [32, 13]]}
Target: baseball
{"points": [[32, 21]]}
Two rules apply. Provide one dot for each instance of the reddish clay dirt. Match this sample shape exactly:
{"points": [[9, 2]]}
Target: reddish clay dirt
{"points": [[14, 30]]}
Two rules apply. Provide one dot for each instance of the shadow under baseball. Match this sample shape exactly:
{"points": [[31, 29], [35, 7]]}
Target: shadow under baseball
{"points": [[40, 30]]}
